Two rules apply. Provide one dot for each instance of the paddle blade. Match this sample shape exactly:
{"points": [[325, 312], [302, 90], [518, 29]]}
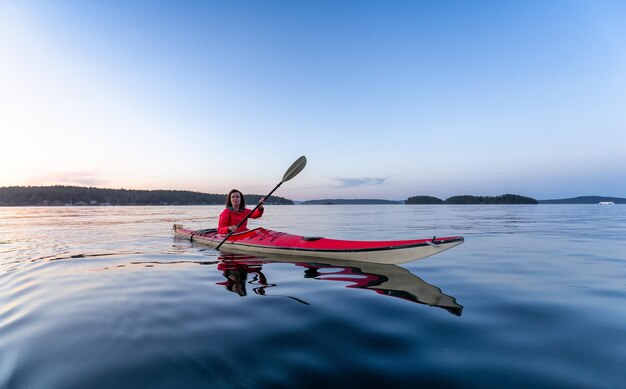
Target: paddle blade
{"points": [[294, 169]]}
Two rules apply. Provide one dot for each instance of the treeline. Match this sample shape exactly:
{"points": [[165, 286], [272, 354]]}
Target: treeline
{"points": [[504, 199], [78, 195]]}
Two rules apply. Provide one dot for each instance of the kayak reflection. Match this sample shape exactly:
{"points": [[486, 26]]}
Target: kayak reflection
{"points": [[243, 271]]}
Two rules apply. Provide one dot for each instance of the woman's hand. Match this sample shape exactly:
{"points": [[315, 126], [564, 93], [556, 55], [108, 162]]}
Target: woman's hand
{"points": [[261, 202], [232, 228]]}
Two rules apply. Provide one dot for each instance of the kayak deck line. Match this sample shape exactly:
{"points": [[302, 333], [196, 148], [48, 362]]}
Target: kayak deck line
{"points": [[261, 240]]}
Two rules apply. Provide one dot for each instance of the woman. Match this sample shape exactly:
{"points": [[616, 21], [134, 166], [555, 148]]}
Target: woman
{"points": [[235, 212]]}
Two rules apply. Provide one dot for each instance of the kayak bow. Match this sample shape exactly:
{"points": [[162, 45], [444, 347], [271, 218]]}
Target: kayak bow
{"points": [[264, 241]]}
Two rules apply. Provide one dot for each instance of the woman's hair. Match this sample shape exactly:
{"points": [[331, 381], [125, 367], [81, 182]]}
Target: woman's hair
{"points": [[229, 204]]}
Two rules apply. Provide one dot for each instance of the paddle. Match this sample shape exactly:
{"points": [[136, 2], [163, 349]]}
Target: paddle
{"points": [[293, 171]]}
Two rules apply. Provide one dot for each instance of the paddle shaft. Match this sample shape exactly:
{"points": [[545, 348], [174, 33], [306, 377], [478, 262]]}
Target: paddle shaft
{"points": [[248, 216]]}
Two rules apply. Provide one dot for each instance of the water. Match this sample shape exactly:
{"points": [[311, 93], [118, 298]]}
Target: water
{"points": [[106, 297]]}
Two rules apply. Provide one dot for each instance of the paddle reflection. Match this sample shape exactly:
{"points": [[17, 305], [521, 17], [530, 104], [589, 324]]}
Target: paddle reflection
{"points": [[243, 271]]}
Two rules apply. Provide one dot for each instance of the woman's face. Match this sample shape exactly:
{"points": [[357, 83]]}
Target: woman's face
{"points": [[235, 199]]}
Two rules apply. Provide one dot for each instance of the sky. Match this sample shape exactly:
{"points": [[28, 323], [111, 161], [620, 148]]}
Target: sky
{"points": [[386, 99]]}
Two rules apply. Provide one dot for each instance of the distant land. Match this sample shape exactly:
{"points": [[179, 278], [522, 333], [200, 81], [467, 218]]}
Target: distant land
{"points": [[466, 199], [585, 200], [349, 201], [427, 200], [59, 195], [77, 195]]}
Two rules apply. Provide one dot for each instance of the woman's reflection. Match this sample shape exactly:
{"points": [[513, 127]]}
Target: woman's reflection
{"points": [[236, 274]]}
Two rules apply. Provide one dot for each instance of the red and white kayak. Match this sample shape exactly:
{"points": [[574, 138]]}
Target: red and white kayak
{"points": [[264, 241]]}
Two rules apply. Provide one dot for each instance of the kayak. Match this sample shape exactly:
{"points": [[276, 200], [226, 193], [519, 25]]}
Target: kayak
{"points": [[263, 241]]}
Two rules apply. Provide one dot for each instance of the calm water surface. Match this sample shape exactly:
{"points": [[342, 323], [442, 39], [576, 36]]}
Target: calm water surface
{"points": [[106, 297]]}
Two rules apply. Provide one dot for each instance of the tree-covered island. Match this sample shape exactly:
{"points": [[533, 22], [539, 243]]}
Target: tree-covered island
{"points": [[78, 195], [466, 199]]}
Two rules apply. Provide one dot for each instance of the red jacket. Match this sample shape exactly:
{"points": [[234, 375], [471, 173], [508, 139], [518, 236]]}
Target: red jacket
{"points": [[230, 217]]}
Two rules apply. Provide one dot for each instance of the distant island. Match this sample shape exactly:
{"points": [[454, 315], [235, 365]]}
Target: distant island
{"points": [[585, 200], [349, 201], [466, 199], [77, 195]]}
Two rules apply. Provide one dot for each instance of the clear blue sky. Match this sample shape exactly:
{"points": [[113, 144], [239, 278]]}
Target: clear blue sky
{"points": [[387, 99]]}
